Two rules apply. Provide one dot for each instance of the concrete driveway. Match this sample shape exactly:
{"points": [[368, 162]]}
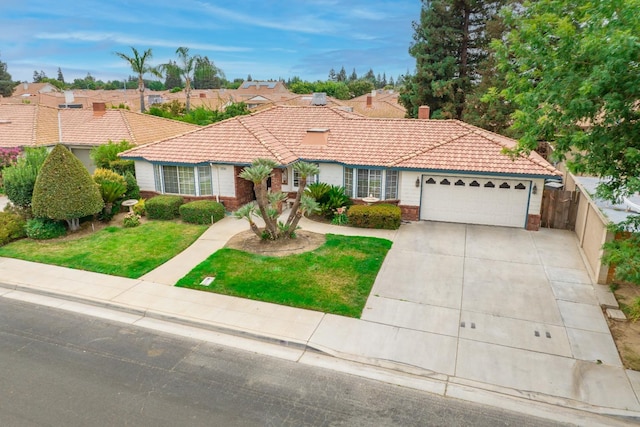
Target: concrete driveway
{"points": [[501, 306]]}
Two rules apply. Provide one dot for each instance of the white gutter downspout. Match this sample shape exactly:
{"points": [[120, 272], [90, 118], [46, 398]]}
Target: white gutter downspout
{"points": [[217, 181]]}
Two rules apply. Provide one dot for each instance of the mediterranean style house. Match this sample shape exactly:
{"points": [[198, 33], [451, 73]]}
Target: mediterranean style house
{"points": [[441, 170]]}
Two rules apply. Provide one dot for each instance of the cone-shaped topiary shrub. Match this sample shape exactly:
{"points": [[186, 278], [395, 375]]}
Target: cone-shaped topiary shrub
{"points": [[64, 190]]}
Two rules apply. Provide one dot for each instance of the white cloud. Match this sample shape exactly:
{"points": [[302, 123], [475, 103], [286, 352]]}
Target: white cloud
{"points": [[82, 36]]}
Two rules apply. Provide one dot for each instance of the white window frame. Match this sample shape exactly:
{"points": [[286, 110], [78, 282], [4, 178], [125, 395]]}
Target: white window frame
{"points": [[351, 181], [182, 172]]}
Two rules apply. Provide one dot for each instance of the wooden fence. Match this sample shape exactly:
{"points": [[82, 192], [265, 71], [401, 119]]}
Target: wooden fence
{"points": [[559, 209]]}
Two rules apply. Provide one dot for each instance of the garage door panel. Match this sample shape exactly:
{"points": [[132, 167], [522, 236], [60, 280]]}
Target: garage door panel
{"points": [[475, 200]]}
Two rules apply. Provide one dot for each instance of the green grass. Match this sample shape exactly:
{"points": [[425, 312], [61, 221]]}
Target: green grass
{"points": [[126, 252], [335, 278]]}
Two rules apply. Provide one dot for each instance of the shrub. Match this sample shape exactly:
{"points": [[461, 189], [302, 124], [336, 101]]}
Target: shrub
{"points": [[377, 216], [139, 208], [317, 190], [131, 219], [122, 166], [335, 199], [202, 212], [64, 190], [20, 179], [104, 154], [164, 207], [133, 189], [8, 156], [44, 228], [11, 227]]}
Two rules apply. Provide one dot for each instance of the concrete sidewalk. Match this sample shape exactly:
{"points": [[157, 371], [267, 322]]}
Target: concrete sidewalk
{"points": [[436, 277]]}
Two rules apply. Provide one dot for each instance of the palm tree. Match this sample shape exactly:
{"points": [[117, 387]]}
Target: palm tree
{"points": [[140, 67], [187, 69], [258, 173]]}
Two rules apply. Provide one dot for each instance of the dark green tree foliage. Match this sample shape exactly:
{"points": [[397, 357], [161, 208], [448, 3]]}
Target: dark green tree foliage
{"points": [[60, 76], [103, 155], [450, 42], [64, 190], [206, 75], [360, 87], [20, 179], [38, 76], [353, 76], [6, 84], [342, 75], [576, 90], [332, 75], [172, 73]]}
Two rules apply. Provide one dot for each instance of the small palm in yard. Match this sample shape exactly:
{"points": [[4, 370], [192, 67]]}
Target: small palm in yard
{"points": [[266, 203]]}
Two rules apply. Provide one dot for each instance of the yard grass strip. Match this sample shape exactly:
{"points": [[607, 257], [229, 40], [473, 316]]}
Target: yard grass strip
{"points": [[125, 252], [335, 278]]}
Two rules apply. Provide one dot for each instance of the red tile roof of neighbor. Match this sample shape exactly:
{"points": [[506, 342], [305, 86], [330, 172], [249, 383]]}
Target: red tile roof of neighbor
{"points": [[351, 139], [30, 125]]}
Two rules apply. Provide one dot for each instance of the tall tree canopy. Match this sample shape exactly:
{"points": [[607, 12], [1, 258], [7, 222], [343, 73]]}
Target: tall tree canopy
{"points": [[139, 65], [172, 75], [207, 75], [450, 43], [6, 84], [573, 69]]}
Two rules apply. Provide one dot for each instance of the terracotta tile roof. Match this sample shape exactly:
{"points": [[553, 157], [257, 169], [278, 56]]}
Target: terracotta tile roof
{"points": [[30, 125], [352, 139], [17, 125]]}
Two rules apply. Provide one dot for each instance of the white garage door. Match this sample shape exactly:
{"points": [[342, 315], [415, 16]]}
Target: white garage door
{"points": [[475, 200]]}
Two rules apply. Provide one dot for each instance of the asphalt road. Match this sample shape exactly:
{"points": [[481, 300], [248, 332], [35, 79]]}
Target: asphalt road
{"points": [[64, 369]]}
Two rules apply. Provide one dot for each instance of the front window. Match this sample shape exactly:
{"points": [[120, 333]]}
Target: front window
{"points": [[360, 183], [296, 178], [187, 180]]}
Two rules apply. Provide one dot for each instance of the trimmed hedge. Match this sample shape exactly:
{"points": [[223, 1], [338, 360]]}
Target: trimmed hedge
{"points": [[202, 212], [376, 216], [164, 207], [11, 227]]}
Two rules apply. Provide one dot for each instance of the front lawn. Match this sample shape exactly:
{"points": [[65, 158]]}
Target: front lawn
{"points": [[335, 278], [126, 252]]}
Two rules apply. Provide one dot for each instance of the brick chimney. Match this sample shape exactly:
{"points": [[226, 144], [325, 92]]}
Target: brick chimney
{"points": [[369, 101], [316, 136], [423, 112], [99, 108]]}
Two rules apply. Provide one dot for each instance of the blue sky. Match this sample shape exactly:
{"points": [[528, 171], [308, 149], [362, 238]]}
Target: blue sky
{"points": [[267, 39]]}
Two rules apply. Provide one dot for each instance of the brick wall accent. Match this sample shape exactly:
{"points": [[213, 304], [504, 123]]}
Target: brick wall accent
{"points": [[410, 213], [533, 222], [244, 188]]}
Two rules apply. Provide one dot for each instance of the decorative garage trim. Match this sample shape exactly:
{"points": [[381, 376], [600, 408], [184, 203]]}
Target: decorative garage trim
{"points": [[475, 200]]}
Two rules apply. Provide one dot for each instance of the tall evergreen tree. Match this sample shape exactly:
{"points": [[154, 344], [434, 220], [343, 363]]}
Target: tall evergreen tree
{"points": [[172, 75], [206, 75], [450, 43], [353, 76], [60, 76], [332, 75], [6, 84], [342, 75]]}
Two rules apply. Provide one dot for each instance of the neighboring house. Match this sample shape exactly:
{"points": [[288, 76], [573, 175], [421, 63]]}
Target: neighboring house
{"points": [[378, 103], [80, 129], [442, 170]]}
